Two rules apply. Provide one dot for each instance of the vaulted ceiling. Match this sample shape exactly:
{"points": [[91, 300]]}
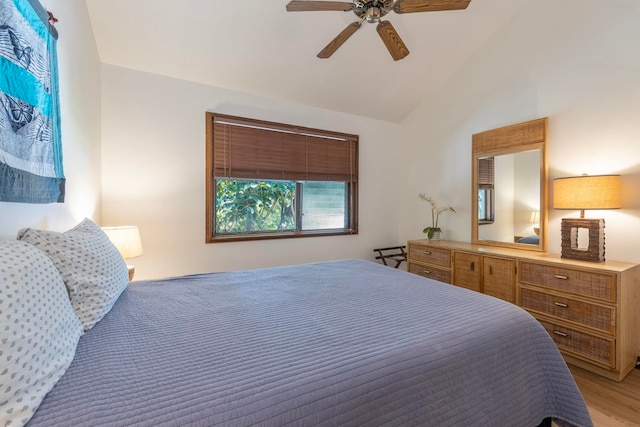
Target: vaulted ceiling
{"points": [[256, 46]]}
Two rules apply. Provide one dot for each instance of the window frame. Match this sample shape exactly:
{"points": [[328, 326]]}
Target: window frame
{"points": [[487, 206], [486, 185], [210, 200]]}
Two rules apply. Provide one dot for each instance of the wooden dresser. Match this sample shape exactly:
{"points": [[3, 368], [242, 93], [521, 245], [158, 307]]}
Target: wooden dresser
{"points": [[591, 310]]}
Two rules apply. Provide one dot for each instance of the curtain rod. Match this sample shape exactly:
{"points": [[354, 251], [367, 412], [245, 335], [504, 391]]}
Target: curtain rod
{"points": [[47, 17]]}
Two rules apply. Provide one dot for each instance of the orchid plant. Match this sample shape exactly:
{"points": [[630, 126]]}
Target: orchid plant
{"points": [[435, 214]]}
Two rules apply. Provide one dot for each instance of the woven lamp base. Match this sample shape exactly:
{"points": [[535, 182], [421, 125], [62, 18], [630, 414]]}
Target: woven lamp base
{"points": [[571, 228]]}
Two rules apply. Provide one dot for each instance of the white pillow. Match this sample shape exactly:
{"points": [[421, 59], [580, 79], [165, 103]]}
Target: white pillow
{"points": [[39, 331], [90, 265]]}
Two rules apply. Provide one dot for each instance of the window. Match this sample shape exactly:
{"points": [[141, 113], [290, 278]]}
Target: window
{"points": [[270, 180], [486, 177]]}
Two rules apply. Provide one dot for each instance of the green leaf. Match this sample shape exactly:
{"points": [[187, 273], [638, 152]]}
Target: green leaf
{"points": [[430, 231]]}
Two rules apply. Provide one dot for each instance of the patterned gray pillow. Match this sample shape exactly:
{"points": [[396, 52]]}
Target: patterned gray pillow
{"points": [[90, 265], [39, 331]]}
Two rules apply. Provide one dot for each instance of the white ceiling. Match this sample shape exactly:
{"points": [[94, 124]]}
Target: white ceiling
{"points": [[255, 46]]}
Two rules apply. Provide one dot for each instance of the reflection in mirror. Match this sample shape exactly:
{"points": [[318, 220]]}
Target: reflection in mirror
{"points": [[509, 186], [486, 183], [516, 195]]}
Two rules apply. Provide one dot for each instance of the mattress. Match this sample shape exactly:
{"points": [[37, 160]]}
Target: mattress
{"points": [[340, 343]]}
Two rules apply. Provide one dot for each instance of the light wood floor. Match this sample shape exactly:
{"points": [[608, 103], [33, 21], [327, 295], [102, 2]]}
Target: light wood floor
{"points": [[611, 404]]}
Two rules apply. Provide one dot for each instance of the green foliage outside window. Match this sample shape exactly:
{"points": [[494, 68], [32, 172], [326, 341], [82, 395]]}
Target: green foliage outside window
{"points": [[254, 206]]}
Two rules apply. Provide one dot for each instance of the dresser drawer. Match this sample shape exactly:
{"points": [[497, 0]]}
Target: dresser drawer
{"points": [[599, 317], [430, 255], [581, 345], [430, 272], [499, 276], [467, 271], [586, 283]]}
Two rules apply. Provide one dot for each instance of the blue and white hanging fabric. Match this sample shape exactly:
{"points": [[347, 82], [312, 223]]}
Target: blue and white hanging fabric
{"points": [[30, 142]]}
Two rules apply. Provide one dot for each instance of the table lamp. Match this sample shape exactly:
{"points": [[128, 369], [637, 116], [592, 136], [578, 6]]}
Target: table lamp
{"points": [[583, 193], [535, 220], [127, 240]]}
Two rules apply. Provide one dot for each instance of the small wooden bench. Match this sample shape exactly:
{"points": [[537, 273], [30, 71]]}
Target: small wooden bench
{"points": [[396, 254]]}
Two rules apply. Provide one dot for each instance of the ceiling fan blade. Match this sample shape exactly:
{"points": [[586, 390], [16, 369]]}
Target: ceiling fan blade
{"points": [[412, 6], [392, 40], [311, 6], [339, 40]]}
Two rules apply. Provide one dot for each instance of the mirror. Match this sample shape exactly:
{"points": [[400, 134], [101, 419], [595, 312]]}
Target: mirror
{"points": [[509, 186]]}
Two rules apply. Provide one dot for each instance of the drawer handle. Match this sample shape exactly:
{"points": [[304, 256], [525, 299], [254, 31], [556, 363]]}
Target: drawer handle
{"points": [[427, 252], [562, 334], [427, 271], [560, 304], [472, 266], [561, 277]]}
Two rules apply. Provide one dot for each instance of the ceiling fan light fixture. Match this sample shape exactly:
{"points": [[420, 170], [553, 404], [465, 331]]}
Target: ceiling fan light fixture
{"points": [[373, 15], [372, 11]]}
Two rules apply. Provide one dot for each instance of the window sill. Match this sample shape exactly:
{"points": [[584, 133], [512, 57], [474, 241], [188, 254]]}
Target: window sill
{"points": [[222, 238]]}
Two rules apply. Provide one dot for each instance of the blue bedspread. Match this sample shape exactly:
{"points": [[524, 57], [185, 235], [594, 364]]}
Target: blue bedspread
{"points": [[343, 343]]}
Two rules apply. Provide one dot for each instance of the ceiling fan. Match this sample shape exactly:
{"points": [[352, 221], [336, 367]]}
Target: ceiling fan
{"points": [[372, 11]]}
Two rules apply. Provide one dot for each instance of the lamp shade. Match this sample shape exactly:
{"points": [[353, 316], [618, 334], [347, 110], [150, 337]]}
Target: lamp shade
{"points": [[126, 239], [587, 192], [535, 217]]}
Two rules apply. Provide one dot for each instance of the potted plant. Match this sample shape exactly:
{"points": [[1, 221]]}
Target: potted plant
{"points": [[434, 232]]}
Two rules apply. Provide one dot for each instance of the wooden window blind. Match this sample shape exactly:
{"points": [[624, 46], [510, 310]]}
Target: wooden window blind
{"points": [[246, 149], [254, 149], [486, 172]]}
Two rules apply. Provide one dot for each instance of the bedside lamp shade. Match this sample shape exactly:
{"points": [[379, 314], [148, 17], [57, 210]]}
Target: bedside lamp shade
{"points": [[535, 217], [535, 220], [127, 240], [587, 192], [583, 193]]}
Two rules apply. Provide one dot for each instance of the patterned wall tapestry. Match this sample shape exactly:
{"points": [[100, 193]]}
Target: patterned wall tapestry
{"points": [[30, 145]]}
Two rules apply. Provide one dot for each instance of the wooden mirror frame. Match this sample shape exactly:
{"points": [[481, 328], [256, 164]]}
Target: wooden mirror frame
{"points": [[517, 138]]}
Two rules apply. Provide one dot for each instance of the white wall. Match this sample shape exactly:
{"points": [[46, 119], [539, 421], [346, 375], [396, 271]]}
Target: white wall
{"points": [[154, 175], [577, 65], [79, 68], [575, 61], [527, 191]]}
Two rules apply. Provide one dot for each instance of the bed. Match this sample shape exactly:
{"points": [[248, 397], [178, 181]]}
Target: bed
{"points": [[530, 240], [339, 343]]}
